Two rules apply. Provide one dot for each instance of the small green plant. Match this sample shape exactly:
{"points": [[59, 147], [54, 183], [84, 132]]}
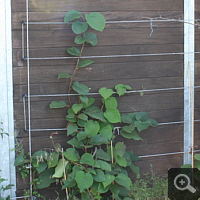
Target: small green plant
{"points": [[97, 164], [4, 188], [150, 187]]}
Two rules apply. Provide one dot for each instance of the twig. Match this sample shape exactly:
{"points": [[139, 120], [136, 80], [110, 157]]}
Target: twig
{"points": [[67, 195]]}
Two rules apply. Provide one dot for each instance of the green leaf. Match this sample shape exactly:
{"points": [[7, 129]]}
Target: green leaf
{"points": [[111, 102], [90, 102], [96, 21], [109, 180], [101, 154], [20, 160], [84, 99], [83, 117], [85, 196], [129, 129], [60, 104], [152, 122], [74, 51], [102, 164], [121, 161], [40, 155], [72, 127], [141, 125], [87, 158], [128, 118], [84, 63], [64, 75], [71, 117], [72, 15], [79, 27], [91, 171], [52, 160], [45, 179], [142, 116], [120, 149], [74, 142], [132, 156], [81, 123], [132, 135], [80, 88], [135, 169], [82, 135], [197, 164], [128, 158], [92, 128], [79, 40], [70, 182], [186, 166], [98, 140], [114, 189], [106, 131], [105, 93], [123, 180], [84, 180], [197, 156], [77, 107], [95, 113], [100, 176], [71, 154], [128, 87], [42, 166], [112, 115], [91, 38], [120, 88], [59, 170]]}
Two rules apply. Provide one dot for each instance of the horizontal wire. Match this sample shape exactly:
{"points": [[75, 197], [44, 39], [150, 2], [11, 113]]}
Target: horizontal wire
{"points": [[133, 91], [121, 22], [114, 56]]}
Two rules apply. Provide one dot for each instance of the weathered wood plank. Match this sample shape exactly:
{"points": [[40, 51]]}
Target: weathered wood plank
{"points": [[61, 38], [18, 17], [62, 88], [100, 51], [105, 71], [101, 5]]}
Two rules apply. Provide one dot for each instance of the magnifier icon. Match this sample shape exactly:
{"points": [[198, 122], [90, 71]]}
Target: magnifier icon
{"points": [[183, 182]]}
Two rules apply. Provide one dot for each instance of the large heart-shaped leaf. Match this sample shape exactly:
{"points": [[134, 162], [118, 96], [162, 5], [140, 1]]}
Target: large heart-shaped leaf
{"points": [[52, 160], [74, 51], [80, 88], [72, 15], [102, 164], [111, 102], [92, 128], [87, 158], [112, 115], [109, 179], [59, 170], [91, 38], [96, 21], [120, 149], [71, 154], [99, 176], [121, 161], [79, 27], [84, 180], [101, 154], [105, 93], [98, 140], [141, 125], [106, 131], [123, 180]]}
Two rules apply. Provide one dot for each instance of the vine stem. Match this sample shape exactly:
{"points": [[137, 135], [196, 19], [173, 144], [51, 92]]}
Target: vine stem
{"points": [[70, 84], [67, 195], [111, 146]]}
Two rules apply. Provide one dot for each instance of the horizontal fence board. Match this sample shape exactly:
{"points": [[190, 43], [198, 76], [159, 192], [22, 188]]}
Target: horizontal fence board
{"points": [[62, 88], [100, 51], [105, 71], [101, 5], [18, 17], [61, 37]]}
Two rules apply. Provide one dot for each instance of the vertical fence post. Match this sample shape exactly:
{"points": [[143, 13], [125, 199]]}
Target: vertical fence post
{"points": [[189, 45], [7, 157]]}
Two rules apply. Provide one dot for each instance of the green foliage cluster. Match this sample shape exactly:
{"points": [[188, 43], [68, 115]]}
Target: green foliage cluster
{"points": [[4, 188], [96, 166], [150, 187]]}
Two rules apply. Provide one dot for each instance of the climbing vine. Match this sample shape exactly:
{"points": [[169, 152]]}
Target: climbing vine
{"points": [[96, 166]]}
